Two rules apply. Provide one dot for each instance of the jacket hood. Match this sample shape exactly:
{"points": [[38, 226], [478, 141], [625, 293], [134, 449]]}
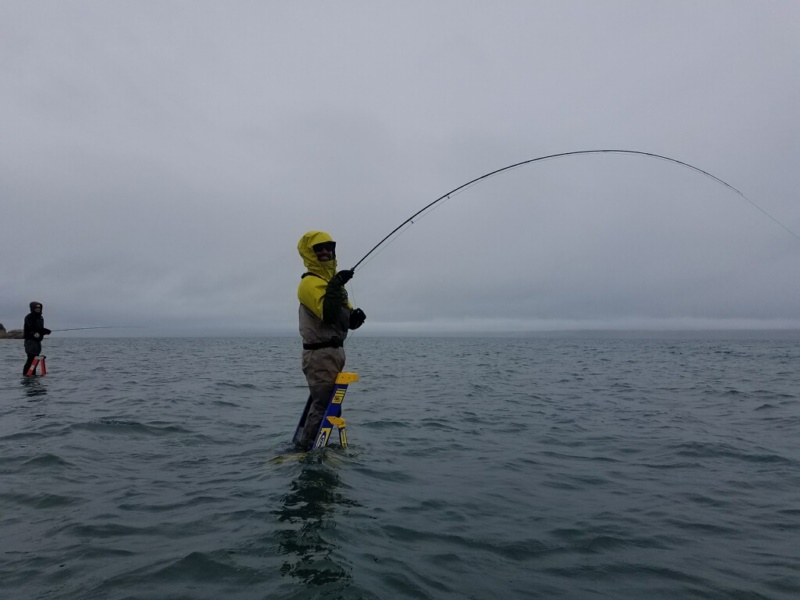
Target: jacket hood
{"points": [[34, 304], [305, 247]]}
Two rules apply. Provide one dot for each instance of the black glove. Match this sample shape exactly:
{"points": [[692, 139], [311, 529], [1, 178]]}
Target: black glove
{"points": [[357, 318], [342, 277], [46, 331]]}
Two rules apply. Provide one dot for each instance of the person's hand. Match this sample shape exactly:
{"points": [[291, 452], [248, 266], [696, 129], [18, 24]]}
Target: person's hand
{"points": [[357, 318], [47, 331], [343, 276]]}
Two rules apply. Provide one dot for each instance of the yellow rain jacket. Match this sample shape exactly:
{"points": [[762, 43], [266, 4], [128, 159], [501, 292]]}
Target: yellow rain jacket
{"points": [[311, 293]]}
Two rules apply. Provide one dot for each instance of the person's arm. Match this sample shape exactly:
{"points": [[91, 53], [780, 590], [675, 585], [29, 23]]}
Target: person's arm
{"points": [[335, 297], [32, 326], [311, 294]]}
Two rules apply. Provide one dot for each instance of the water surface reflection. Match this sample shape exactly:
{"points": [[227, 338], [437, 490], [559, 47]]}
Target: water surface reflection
{"points": [[307, 537]]}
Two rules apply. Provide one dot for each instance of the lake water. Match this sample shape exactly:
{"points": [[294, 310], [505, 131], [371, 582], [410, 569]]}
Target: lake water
{"points": [[548, 467]]}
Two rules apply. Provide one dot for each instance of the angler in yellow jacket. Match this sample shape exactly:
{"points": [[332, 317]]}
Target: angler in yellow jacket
{"points": [[326, 315]]}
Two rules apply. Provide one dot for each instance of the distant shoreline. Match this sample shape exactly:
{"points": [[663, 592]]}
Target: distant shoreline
{"points": [[643, 334]]}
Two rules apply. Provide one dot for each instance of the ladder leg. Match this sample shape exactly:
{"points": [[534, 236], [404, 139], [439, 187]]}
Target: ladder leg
{"points": [[32, 369]]}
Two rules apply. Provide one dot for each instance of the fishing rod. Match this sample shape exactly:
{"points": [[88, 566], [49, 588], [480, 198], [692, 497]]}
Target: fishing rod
{"points": [[561, 155], [99, 327]]}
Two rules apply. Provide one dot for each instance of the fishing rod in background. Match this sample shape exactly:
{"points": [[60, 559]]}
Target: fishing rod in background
{"points": [[421, 213], [99, 327]]}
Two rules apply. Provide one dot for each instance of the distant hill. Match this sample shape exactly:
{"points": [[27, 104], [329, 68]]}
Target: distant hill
{"points": [[14, 334]]}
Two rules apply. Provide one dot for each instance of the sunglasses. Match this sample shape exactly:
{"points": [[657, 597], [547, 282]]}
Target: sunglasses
{"points": [[325, 247]]}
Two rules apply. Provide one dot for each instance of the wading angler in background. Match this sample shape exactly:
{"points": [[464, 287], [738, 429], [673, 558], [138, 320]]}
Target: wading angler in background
{"points": [[325, 317], [33, 332]]}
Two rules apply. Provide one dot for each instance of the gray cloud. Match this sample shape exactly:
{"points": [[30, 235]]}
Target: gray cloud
{"points": [[160, 161]]}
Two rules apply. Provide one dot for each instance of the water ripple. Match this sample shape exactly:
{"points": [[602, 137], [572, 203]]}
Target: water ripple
{"points": [[493, 468]]}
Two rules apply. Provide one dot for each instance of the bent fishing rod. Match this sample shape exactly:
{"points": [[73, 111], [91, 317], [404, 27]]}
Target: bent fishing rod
{"points": [[561, 155]]}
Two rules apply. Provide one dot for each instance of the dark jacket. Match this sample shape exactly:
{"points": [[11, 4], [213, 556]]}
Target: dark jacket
{"points": [[34, 324]]}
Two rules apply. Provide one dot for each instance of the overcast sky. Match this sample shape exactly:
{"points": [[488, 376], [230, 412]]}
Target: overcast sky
{"points": [[160, 160]]}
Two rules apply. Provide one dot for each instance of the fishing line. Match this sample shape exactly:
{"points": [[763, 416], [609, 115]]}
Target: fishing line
{"points": [[100, 327], [424, 211]]}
